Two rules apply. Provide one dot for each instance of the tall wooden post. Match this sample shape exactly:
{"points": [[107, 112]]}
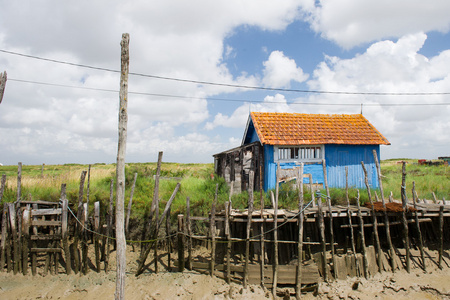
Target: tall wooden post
{"points": [[3, 79], [298, 279], [120, 186], [275, 232]]}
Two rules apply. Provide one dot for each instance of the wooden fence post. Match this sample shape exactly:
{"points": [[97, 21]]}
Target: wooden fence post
{"points": [[363, 238], [374, 219], [64, 228], [180, 244], [12, 219], [350, 222], [419, 232], [212, 232], [392, 254], [96, 237], [109, 222], [26, 237], [127, 221], [404, 220], [441, 235], [189, 233], [322, 236], [330, 215], [249, 225]]}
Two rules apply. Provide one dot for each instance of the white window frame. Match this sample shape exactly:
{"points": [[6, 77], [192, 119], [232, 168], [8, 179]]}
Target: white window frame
{"points": [[304, 153]]}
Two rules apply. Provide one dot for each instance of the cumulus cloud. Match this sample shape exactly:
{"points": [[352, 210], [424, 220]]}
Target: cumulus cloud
{"points": [[351, 23], [280, 70], [239, 117], [171, 38], [393, 67]]}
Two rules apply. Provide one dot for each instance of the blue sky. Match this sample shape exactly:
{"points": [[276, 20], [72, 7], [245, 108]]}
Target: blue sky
{"points": [[335, 46]]}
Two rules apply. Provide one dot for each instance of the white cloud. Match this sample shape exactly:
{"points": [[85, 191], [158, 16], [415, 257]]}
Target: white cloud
{"points": [[350, 23], [393, 67], [171, 38], [280, 70], [238, 118]]}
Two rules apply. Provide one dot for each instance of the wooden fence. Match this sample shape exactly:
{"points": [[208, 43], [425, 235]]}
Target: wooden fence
{"points": [[269, 246]]}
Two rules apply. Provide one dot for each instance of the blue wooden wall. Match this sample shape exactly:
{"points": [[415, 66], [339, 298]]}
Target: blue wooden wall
{"points": [[337, 157]]}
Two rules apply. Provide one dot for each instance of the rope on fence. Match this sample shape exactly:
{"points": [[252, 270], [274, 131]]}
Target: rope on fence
{"points": [[192, 236]]}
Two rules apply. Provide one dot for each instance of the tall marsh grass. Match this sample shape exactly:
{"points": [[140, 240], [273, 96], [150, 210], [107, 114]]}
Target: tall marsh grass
{"points": [[198, 183]]}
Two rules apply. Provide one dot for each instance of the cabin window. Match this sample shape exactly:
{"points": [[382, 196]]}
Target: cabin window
{"points": [[300, 153]]}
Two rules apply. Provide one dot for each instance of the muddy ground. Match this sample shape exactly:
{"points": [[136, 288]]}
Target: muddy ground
{"points": [[435, 284]]}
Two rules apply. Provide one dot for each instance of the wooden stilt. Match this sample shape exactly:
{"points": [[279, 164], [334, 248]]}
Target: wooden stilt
{"points": [[34, 245], [169, 242], [130, 203], [228, 237], [349, 215], [96, 236], [322, 236], [374, 220], [64, 227], [84, 239], [441, 235], [109, 222], [26, 237], [12, 219], [180, 244], [330, 216], [363, 239], [212, 232], [419, 232], [261, 228], [249, 226], [4, 237], [189, 233], [392, 254], [404, 220], [298, 278]]}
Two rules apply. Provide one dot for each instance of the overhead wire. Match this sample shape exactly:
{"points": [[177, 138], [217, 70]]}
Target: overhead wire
{"points": [[224, 99], [225, 84]]}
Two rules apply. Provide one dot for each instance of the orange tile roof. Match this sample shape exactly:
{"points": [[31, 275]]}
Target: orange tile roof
{"points": [[314, 129]]}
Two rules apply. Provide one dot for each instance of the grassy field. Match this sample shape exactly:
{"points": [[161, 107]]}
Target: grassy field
{"points": [[198, 183]]}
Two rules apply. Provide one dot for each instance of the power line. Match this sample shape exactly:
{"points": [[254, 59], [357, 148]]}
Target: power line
{"points": [[224, 99], [226, 84]]}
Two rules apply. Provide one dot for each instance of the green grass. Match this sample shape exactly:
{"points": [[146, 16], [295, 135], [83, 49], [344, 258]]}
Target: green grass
{"points": [[428, 179], [198, 184]]}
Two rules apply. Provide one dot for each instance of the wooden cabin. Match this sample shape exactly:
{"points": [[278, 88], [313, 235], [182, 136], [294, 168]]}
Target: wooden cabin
{"points": [[289, 139]]}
